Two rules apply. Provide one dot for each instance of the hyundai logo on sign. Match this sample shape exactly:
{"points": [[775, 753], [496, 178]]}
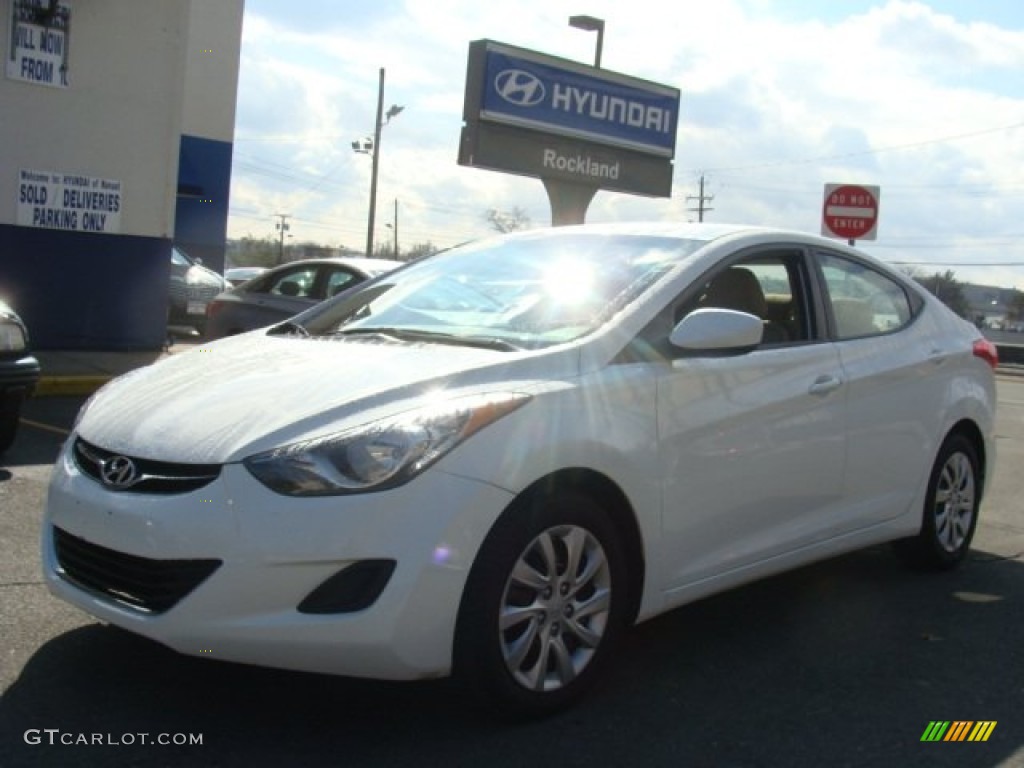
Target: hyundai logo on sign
{"points": [[551, 95], [518, 87]]}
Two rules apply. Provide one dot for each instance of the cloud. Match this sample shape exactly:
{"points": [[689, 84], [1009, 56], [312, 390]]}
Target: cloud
{"points": [[777, 99]]}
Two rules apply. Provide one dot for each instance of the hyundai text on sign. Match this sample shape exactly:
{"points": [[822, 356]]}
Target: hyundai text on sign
{"points": [[850, 212], [556, 96], [537, 115]]}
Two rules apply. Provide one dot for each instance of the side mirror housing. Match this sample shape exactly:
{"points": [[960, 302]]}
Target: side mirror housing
{"points": [[717, 330]]}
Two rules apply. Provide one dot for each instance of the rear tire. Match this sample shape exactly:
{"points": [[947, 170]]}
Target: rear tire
{"points": [[10, 415], [544, 606], [950, 509]]}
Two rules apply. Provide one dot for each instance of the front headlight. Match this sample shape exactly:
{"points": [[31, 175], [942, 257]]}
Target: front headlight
{"points": [[381, 454], [12, 337]]}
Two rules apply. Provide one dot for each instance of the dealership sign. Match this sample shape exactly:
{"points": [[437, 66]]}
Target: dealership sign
{"points": [[38, 42], [52, 200], [556, 96], [529, 113]]}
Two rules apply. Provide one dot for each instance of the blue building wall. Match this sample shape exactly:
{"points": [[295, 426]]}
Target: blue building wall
{"points": [[86, 291], [201, 211], [104, 291]]}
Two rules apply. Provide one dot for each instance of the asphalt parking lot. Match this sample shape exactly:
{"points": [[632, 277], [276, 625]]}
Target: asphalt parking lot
{"points": [[845, 663]]}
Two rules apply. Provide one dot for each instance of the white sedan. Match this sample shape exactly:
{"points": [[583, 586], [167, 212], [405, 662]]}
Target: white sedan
{"points": [[493, 461]]}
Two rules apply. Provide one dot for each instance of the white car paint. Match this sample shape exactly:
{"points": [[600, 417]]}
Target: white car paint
{"points": [[733, 466]]}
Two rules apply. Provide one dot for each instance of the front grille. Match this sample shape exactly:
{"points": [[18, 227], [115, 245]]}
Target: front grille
{"points": [[153, 586], [147, 476], [203, 292]]}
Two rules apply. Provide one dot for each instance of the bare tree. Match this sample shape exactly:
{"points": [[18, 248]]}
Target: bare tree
{"points": [[420, 250], [507, 221]]}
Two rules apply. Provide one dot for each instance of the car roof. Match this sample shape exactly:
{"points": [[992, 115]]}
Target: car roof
{"points": [[357, 262], [739, 234], [705, 231]]}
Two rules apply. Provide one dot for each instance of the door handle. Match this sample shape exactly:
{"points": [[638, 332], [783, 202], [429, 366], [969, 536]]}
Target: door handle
{"points": [[825, 384]]}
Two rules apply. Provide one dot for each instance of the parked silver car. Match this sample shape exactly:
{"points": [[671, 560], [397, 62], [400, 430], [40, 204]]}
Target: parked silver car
{"points": [[192, 288], [287, 290], [239, 275]]}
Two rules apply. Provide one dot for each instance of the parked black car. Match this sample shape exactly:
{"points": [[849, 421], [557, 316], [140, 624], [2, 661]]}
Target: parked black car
{"points": [[19, 372]]}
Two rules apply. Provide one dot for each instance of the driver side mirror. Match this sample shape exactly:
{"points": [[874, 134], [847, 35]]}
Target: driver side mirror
{"points": [[717, 330]]}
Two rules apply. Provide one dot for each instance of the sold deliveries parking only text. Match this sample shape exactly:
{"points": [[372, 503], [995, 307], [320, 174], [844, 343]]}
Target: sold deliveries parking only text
{"points": [[54, 200]]}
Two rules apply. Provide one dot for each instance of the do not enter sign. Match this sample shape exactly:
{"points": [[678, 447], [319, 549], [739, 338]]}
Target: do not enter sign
{"points": [[850, 212]]}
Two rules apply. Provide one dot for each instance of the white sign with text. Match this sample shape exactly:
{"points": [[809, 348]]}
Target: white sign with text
{"points": [[53, 200], [39, 43]]}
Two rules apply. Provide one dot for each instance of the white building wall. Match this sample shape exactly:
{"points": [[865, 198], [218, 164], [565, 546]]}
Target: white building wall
{"points": [[121, 116], [211, 69], [145, 80]]}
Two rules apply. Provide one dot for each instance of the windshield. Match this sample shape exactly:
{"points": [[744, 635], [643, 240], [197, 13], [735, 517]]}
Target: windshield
{"points": [[516, 293]]}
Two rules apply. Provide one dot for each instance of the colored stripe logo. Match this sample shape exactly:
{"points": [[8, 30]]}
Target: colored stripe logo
{"points": [[958, 730]]}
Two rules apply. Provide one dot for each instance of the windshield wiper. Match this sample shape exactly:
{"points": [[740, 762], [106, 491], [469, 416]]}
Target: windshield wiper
{"points": [[288, 328], [415, 334]]}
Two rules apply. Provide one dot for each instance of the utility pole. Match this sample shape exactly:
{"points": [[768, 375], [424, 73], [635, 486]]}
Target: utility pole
{"points": [[371, 147], [700, 198], [282, 227], [375, 160], [396, 229]]}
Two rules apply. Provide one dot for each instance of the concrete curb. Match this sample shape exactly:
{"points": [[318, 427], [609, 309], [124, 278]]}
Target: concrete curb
{"points": [[69, 386]]}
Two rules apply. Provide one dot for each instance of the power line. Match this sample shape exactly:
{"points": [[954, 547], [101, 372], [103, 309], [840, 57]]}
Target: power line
{"points": [[862, 153], [958, 263], [700, 198]]}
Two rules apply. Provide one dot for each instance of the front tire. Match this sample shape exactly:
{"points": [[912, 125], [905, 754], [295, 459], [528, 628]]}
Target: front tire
{"points": [[950, 510], [544, 605]]}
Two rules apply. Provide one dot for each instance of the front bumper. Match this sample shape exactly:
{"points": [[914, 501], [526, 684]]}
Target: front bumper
{"points": [[274, 551]]}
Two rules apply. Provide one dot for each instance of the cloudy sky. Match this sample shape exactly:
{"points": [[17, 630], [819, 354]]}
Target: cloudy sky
{"points": [[778, 98]]}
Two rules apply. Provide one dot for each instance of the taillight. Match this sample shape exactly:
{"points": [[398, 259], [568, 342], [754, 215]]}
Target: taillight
{"points": [[987, 351]]}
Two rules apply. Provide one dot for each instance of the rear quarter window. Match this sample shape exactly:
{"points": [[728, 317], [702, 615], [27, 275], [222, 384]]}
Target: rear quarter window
{"points": [[863, 301]]}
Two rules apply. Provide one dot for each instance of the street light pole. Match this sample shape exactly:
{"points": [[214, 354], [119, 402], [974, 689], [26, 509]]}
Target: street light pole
{"points": [[373, 172], [591, 24], [371, 146]]}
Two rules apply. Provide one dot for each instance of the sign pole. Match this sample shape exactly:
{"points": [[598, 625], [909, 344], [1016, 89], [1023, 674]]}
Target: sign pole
{"points": [[569, 201]]}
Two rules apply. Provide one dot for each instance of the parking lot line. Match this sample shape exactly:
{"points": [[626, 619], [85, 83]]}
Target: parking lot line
{"points": [[45, 427]]}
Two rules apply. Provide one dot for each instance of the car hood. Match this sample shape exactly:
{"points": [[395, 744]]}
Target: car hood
{"points": [[228, 400], [198, 274]]}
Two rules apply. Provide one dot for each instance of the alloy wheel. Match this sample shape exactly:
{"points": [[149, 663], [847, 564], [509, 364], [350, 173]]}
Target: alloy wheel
{"points": [[555, 608], [954, 502]]}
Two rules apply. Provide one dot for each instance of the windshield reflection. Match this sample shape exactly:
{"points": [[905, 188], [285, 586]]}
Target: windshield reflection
{"points": [[516, 293]]}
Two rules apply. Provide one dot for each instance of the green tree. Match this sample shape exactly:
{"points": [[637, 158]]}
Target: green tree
{"points": [[252, 252], [1017, 305], [947, 289]]}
